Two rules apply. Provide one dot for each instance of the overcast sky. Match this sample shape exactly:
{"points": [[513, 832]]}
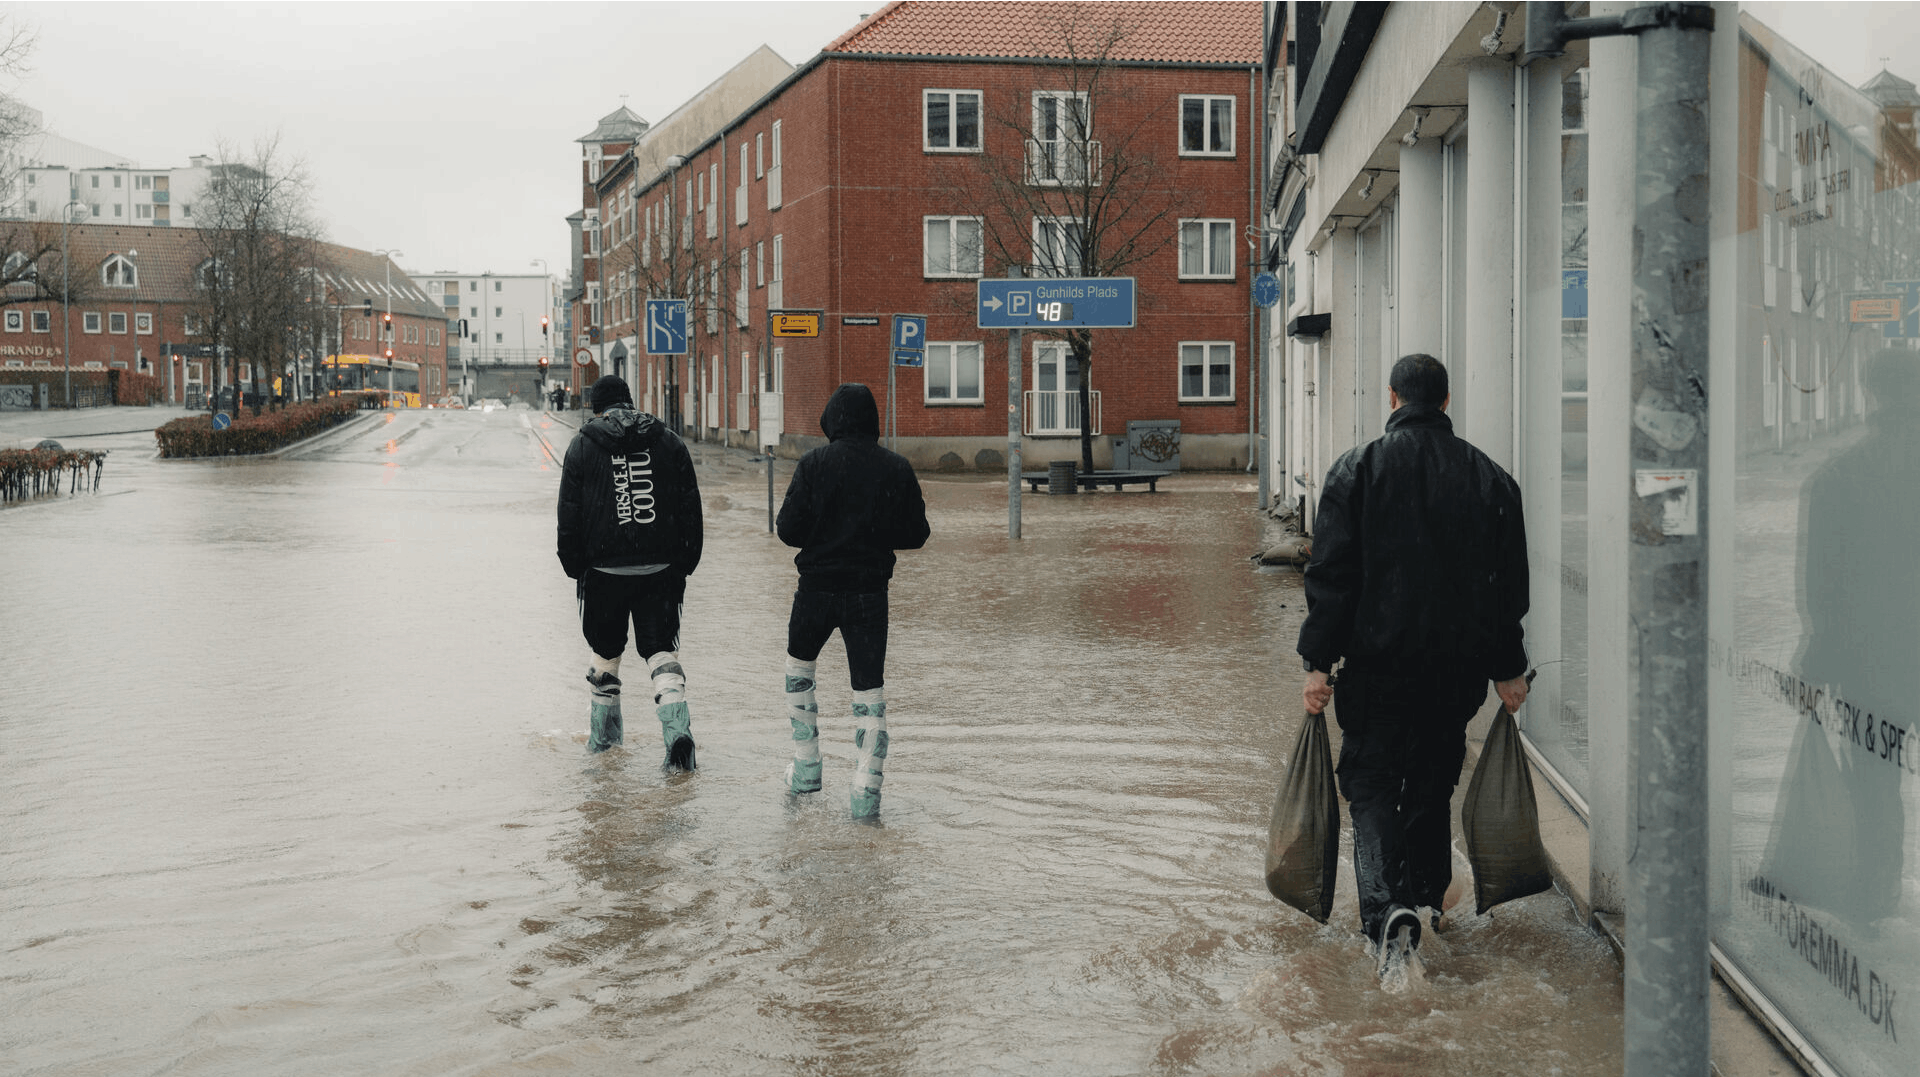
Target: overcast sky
{"points": [[446, 130], [443, 130]]}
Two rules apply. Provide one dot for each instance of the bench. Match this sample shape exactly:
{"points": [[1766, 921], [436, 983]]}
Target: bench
{"points": [[1089, 480]]}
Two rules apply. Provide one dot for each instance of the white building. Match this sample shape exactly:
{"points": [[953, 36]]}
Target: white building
{"points": [[499, 319]]}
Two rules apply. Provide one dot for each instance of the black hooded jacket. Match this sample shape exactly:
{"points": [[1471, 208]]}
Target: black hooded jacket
{"points": [[628, 496], [1419, 554], [851, 503]]}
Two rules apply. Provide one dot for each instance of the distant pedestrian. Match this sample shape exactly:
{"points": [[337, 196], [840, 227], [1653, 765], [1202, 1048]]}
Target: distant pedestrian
{"points": [[850, 505], [1418, 581], [630, 535]]}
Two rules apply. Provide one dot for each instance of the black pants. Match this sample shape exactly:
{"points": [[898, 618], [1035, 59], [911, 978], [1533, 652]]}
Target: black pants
{"points": [[1403, 732], [862, 621], [652, 603]]}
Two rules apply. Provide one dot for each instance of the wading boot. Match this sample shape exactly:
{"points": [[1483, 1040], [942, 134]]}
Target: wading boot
{"points": [[670, 703], [1399, 938], [603, 713], [870, 744], [803, 714]]}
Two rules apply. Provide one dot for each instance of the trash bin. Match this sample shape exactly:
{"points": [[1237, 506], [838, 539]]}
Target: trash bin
{"points": [[1061, 478]]}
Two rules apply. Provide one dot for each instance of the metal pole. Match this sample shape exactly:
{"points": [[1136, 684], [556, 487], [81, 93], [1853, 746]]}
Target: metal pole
{"points": [[1014, 403], [66, 298], [1668, 966]]}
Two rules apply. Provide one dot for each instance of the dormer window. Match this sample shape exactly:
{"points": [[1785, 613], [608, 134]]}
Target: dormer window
{"points": [[19, 268], [119, 272], [211, 275]]}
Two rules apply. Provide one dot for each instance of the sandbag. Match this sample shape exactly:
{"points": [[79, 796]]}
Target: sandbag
{"points": [[1501, 821], [1303, 838]]}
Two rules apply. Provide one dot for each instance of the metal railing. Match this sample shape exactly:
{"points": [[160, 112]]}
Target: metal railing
{"points": [[1057, 411]]}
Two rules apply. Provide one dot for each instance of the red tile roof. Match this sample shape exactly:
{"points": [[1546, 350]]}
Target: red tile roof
{"points": [[1194, 31]]}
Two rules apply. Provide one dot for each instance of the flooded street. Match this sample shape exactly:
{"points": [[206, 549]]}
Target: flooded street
{"points": [[292, 761]]}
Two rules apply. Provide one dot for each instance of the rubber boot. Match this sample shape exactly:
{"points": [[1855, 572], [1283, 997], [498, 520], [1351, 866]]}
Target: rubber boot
{"points": [[603, 714], [803, 774], [670, 703], [870, 744]]}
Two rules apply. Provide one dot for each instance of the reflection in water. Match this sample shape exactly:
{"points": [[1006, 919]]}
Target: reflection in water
{"points": [[336, 815]]}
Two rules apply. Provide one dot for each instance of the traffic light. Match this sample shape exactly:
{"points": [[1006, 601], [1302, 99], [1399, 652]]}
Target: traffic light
{"points": [[543, 366], [386, 325], [389, 357], [543, 330], [368, 309]]}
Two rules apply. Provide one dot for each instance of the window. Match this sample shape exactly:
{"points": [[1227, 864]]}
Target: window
{"points": [[1206, 126], [953, 373], [773, 167], [1206, 370], [117, 322], [497, 312], [740, 293], [1053, 404], [20, 268], [143, 183], [143, 323], [1206, 249], [496, 286], [499, 338], [952, 120], [143, 212], [119, 272], [186, 209], [776, 287], [191, 324], [96, 182], [1059, 247], [740, 195], [953, 247], [42, 321], [473, 286], [759, 156], [16, 321], [1061, 151], [95, 208], [759, 265], [33, 207], [90, 322], [116, 183], [777, 372]]}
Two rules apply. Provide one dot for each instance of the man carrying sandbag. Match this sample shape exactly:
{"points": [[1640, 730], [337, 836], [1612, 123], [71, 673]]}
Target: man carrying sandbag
{"points": [[1418, 582]]}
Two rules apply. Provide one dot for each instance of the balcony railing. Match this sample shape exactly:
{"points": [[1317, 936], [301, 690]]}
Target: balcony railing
{"points": [[1057, 411], [1063, 163]]}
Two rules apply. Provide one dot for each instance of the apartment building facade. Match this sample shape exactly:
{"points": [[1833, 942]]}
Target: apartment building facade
{"points": [[929, 148]]}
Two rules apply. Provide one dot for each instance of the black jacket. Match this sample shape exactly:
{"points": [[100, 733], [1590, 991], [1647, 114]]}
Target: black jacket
{"points": [[851, 503], [628, 496], [1419, 554]]}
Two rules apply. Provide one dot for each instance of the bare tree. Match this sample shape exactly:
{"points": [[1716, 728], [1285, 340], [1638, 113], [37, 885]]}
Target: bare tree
{"points": [[1075, 180], [259, 246]]}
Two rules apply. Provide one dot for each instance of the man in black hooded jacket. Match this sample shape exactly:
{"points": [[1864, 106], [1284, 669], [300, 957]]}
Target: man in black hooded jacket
{"points": [[1419, 581], [630, 535], [850, 505]]}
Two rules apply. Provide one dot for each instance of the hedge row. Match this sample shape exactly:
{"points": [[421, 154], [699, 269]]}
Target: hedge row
{"points": [[30, 472], [250, 434], [134, 388]]}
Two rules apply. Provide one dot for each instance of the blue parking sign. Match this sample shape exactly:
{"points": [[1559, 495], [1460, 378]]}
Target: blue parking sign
{"points": [[910, 332]]}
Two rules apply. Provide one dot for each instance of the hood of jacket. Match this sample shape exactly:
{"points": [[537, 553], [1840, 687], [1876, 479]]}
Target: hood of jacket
{"points": [[851, 413], [619, 427]]}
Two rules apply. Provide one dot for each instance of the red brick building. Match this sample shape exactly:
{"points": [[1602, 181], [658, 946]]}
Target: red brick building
{"points": [[134, 306], [933, 145]]}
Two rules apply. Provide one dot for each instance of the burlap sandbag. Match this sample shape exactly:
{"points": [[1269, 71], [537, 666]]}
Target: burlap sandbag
{"points": [[1303, 839], [1501, 820]]}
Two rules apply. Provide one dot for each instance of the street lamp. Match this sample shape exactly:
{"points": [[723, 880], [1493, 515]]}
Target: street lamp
{"points": [[66, 289], [138, 359], [390, 256]]}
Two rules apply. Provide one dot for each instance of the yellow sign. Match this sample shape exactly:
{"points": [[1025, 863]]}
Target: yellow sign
{"points": [[1868, 309], [790, 324]]}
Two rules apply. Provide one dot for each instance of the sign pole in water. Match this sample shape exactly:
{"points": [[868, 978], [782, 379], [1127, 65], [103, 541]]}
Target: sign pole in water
{"points": [[909, 348]]}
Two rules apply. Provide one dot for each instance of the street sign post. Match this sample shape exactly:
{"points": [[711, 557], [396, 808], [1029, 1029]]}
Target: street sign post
{"points": [[909, 349], [1056, 303], [666, 327]]}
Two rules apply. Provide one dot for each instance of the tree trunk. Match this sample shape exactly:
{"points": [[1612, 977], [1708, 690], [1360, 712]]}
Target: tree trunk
{"points": [[1083, 358]]}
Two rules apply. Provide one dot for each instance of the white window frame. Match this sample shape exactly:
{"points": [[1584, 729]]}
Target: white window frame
{"points": [[759, 155], [41, 321], [952, 97], [777, 279], [760, 264], [740, 294], [1208, 351], [775, 156], [1056, 412], [1044, 250], [777, 370], [1049, 162], [1212, 239], [118, 271], [1207, 103], [143, 323], [740, 192], [90, 322], [952, 353], [119, 318], [953, 270], [16, 320]]}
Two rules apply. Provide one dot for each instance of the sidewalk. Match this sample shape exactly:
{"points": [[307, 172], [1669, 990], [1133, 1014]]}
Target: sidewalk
{"points": [[25, 429], [1743, 1046]]}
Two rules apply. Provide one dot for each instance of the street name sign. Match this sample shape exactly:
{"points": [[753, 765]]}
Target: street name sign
{"points": [[795, 323], [666, 327], [1056, 303]]}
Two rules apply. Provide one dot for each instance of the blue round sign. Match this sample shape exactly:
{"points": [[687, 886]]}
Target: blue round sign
{"points": [[1266, 289], [221, 420]]}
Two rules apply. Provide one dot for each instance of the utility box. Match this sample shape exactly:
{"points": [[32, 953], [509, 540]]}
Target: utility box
{"points": [[1151, 445]]}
